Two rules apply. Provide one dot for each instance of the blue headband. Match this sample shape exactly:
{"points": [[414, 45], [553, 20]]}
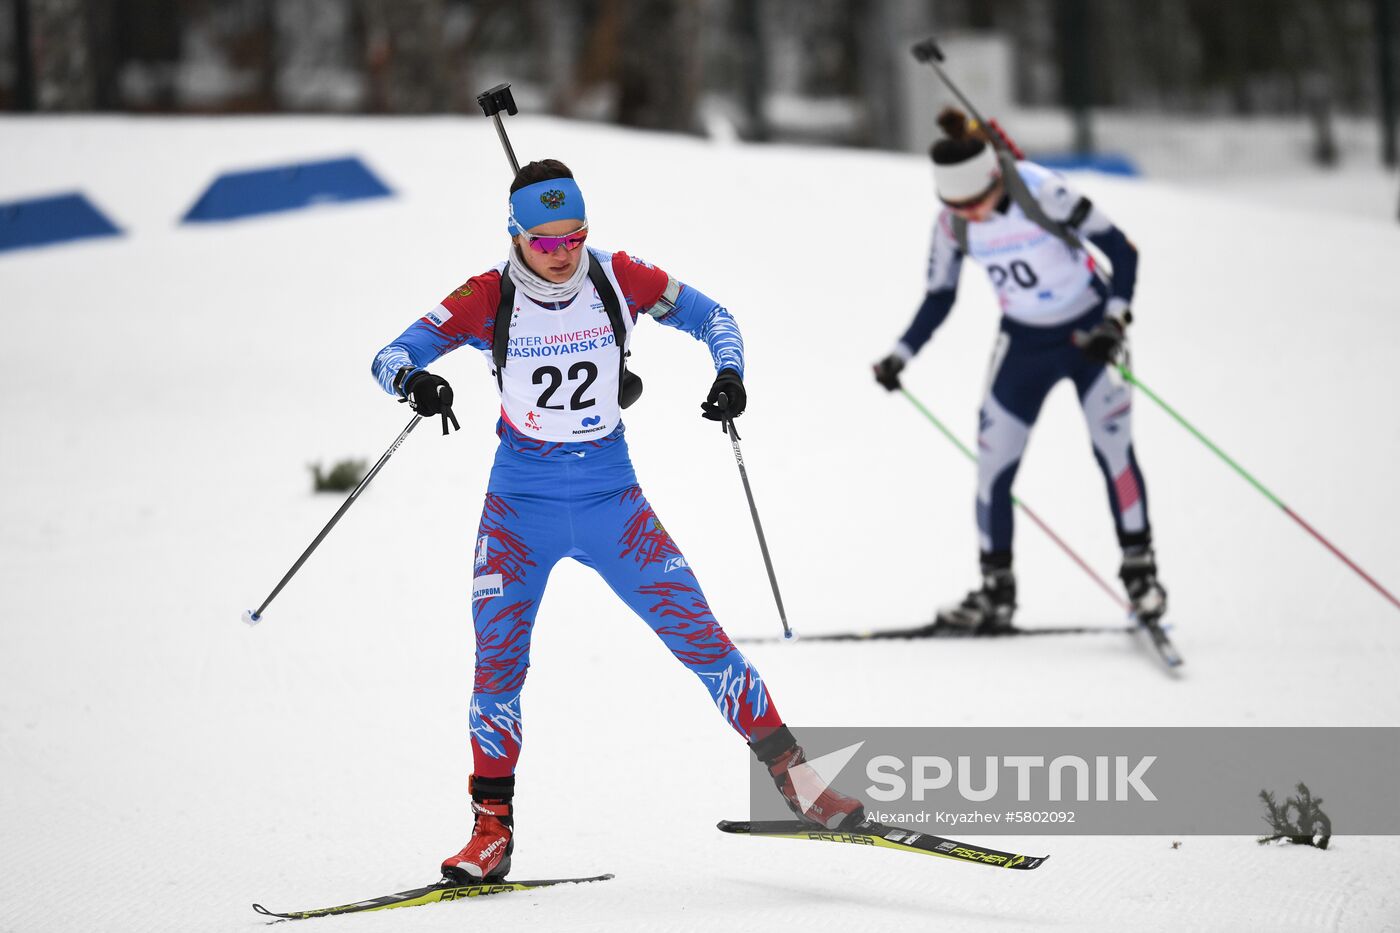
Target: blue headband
{"points": [[551, 199]]}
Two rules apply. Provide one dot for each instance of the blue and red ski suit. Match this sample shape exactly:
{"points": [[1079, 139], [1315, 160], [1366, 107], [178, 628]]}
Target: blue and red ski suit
{"points": [[548, 500]]}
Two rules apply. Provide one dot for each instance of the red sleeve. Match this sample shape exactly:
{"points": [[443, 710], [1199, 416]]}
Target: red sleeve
{"points": [[642, 283], [471, 310]]}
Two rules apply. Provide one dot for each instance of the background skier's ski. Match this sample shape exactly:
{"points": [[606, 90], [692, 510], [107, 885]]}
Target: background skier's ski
{"points": [[940, 630]]}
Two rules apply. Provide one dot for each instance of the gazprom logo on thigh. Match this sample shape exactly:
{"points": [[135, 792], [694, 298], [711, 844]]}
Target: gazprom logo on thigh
{"points": [[486, 587]]}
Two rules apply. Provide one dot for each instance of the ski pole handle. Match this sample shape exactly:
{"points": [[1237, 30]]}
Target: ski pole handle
{"points": [[725, 424], [447, 414]]}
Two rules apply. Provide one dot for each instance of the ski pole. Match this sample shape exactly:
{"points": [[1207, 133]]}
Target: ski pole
{"points": [[728, 427], [1060, 542], [253, 617], [492, 102], [1128, 375]]}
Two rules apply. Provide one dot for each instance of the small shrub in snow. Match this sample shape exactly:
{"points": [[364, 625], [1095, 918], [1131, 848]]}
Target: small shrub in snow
{"points": [[343, 477], [1310, 826]]}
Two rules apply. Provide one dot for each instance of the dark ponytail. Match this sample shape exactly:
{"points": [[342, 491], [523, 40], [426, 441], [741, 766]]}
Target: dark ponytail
{"points": [[953, 123], [960, 141]]}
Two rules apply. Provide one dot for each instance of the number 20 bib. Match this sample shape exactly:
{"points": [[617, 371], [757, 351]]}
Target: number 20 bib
{"points": [[561, 368], [1037, 279]]}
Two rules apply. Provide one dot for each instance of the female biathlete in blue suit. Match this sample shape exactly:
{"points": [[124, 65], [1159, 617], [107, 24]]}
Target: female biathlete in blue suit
{"points": [[1059, 321], [563, 486]]}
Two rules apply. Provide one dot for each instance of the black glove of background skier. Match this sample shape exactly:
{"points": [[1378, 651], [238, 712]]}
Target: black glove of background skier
{"points": [[729, 384], [430, 395], [887, 372], [1102, 342]]}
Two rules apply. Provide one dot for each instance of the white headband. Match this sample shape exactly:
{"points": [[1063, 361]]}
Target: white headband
{"points": [[968, 179]]}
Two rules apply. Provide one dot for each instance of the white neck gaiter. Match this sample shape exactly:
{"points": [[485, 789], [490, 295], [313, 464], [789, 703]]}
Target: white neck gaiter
{"points": [[541, 289]]}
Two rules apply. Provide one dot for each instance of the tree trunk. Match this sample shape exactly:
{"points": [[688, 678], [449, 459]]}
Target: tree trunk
{"points": [[406, 63], [24, 58], [1385, 64], [63, 62], [1076, 70], [658, 75], [753, 68], [556, 24]]}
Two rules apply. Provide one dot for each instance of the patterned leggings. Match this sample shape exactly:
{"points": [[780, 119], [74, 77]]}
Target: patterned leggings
{"points": [[1026, 365], [521, 538]]}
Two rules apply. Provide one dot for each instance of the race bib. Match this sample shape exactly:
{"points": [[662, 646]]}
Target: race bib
{"points": [[561, 374]]}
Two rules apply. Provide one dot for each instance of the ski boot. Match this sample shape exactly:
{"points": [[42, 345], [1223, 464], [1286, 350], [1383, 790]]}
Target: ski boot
{"points": [[1139, 576], [806, 794], [985, 611], [486, 856]]}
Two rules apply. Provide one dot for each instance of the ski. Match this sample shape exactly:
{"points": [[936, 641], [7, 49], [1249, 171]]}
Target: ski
{"points": [[869, 833], [1154, 631], [942, 630], [431, 894], [1160, 643]]}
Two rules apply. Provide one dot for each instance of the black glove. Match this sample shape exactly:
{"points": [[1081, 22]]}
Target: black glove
{"points": [[430, 395], [727, 397], [1104, 341], [887, 372]]}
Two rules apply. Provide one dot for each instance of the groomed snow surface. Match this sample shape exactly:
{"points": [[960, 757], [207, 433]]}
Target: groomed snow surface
{"points": [[162, 765]]}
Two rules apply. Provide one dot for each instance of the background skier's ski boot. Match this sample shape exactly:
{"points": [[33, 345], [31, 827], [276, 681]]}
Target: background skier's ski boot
{"points": [[988, 610], [1139, 576], [807, 795], [486, 856]]}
